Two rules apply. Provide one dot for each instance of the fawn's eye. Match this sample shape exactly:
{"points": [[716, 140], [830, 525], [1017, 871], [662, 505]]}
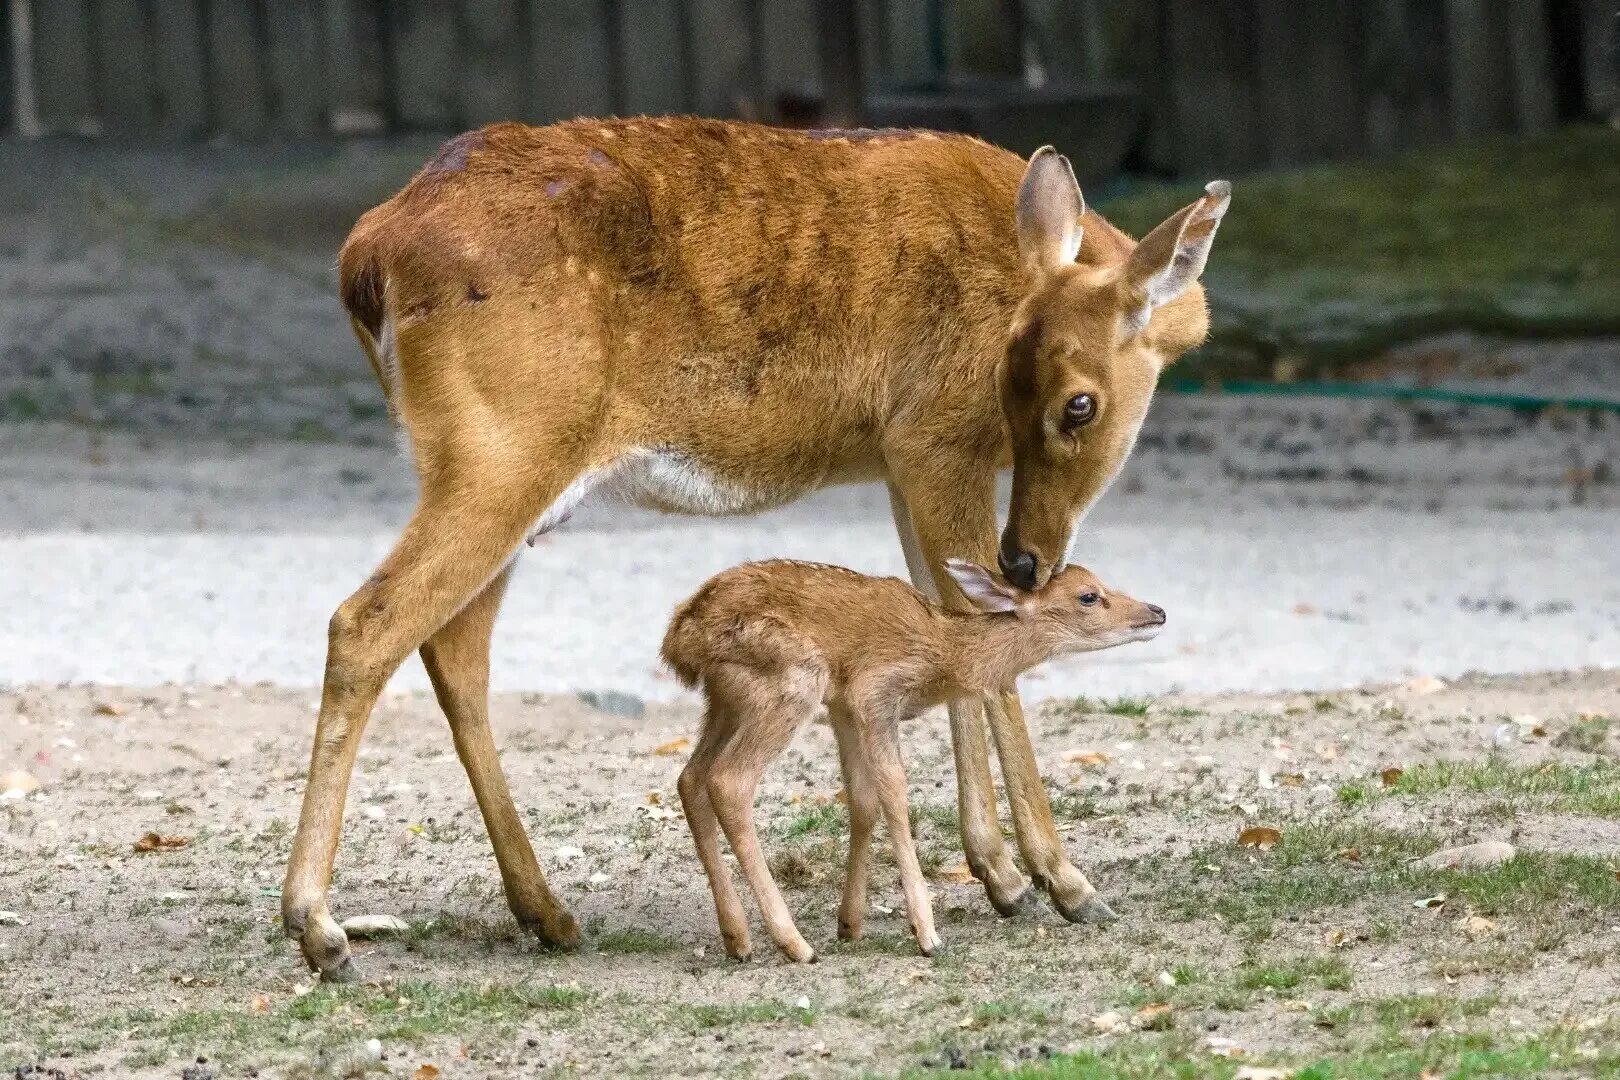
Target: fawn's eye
{"points": [[1087, 599], [1078, 410]]}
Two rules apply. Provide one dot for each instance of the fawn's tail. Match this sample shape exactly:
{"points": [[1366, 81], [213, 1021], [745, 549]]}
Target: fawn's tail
{"points": [[684, 646]]}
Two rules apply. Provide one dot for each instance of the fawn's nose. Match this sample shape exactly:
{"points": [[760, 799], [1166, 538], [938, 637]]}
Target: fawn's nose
{"points": [[1158, 613], [1017, 567]]}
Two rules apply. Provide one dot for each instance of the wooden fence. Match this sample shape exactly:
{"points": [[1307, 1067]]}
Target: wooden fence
{"points": [[1226, 84]]}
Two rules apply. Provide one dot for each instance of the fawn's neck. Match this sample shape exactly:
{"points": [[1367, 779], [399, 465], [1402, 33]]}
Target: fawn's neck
{"points": [[989, 651]]}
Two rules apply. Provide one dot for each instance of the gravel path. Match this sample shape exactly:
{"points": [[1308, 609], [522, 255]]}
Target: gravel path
{"points": [[1296, 544]]}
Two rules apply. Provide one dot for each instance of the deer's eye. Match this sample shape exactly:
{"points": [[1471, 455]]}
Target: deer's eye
{"points": [[1087, 599], [1078, 410]]}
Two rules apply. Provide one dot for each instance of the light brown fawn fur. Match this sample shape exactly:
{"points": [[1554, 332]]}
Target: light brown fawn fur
{"points": [[715, 317], [772, 643]]}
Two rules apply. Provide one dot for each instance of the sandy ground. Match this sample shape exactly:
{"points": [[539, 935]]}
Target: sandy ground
{"points": [[119, 963], [1295, 544]]}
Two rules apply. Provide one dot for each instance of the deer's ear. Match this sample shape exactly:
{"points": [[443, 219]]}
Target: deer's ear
{"points": [[1170, 258], [980, 587], [1049, 209]]}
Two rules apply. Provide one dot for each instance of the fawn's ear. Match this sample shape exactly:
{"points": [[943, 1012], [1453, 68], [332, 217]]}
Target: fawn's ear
{"points": [[1170, 258], [982, 589], [1048, 213]]}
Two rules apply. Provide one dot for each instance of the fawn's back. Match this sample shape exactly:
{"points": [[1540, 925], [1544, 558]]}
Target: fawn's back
{"points": [[779, 613]]}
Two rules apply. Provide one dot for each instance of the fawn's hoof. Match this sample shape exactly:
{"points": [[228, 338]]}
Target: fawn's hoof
{"points": [[1022, 904]]}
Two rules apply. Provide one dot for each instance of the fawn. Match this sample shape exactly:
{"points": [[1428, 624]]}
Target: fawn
{"points": [[773, 642]]}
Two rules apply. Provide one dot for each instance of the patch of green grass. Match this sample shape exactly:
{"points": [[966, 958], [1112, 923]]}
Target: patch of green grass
{"points": [[1335, 262], [1592, 788], [632, 941], [830, 819], [1455, 1055], [1590, 734], [715, 1016], [1310, 870], [1329, 972]]}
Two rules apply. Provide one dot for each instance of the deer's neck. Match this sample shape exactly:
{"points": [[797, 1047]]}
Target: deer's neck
{"points": [[989, 651]]}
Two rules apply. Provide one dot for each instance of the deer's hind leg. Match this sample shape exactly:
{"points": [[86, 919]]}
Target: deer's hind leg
{"points": [[769, 710], [718, 725], [484, 483], [457, 661]]}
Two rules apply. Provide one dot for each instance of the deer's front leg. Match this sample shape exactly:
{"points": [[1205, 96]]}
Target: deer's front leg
{"points": [[982, 843], [957, 520]]}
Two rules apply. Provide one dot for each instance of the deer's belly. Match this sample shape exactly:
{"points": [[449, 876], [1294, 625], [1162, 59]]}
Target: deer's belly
{"points": [[667, 480]]}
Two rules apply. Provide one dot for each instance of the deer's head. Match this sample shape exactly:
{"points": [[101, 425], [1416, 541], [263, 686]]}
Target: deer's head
{"points": [[1084, 353]]}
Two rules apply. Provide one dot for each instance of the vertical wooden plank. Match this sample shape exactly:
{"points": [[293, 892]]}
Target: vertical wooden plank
{"points": [[492, 87], [124, 83], [180, 67], [573, 63], [297, 66], [1535, 108], [8, 77], [426, 63], [842, 79], [1212, 92], [357, 62], [1476, 70], [1281, 32], [905, 60], [654, 57], [790, 69], [1386, 74], [62, 66], [1333, 84], [1427, 118], [237, 83], [720, 31]]}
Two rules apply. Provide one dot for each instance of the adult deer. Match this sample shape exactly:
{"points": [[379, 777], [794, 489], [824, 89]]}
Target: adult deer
{"points": [[714, 318]]}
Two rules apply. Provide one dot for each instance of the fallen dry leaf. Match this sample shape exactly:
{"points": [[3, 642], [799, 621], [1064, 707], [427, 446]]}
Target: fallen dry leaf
{"points": [[674, 746], [1303, 608], [156, 842], [1089, 758], [1391, 775], [426, 1071], [959, 874], [1336, 939], [1260, 837], [107, 708], [1156, 1017], [655, 798], [374, 926], [259, 1003], [1350, 854], [1291, 779], [1430, 902]]}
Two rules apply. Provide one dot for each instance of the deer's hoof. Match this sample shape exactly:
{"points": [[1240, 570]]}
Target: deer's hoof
{"points": [[556, 929], [1091, 910]]}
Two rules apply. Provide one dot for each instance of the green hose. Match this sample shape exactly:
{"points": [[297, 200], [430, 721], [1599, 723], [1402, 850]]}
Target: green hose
{"points": [[1387, 391]]}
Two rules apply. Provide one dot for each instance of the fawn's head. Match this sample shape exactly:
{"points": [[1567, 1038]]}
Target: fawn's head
{"points": [[1085, 351], [1073, 609]]}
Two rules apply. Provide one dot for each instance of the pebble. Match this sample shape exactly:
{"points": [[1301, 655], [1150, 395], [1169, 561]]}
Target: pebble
{"points": [[1487, 853]]}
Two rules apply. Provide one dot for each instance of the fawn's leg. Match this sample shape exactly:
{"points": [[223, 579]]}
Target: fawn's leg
{"points": [[861, 795], [457, 661], [882, 746], [705, 826], [766, 720], [982, 842]]}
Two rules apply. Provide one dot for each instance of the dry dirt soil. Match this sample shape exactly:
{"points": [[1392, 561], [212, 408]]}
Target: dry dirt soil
{"points": [[1326, 948]]}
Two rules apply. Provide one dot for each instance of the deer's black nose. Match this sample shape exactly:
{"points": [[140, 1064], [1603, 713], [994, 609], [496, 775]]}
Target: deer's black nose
{"points": [[1157, 611], [1017, 567]]}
